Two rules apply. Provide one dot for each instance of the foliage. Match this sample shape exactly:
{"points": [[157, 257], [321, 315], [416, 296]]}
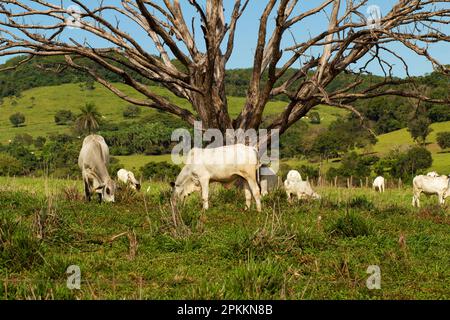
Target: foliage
{"points": [[443, 139], [407, 164], [89, 119], [24, 139], [163, 171], [61, 152], [39, 142], [148, 138], [9, 166], [22, 153], [314, 117], [64, 117], [419, 128], [17, 119], [131, 111]]}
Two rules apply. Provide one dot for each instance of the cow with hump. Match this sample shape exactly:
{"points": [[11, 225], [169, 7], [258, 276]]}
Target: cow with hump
{"points": [[93, 162], [439, 185], [222, 164]]}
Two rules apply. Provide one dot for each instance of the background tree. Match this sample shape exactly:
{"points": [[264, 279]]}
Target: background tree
{"points": [[17, 119], [64, 117], [443, 139], [89, 119], [419, 128], [348, 44]]}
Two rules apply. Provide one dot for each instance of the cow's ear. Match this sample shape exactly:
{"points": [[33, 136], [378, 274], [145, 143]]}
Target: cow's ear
{"points": [[172, 184]]}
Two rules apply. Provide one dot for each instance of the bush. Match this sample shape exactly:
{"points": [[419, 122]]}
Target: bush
{"points": [[131, 112], [39, 142], [443, 139], [314, 117], [160, 171], [9, 166], [24, 139], [64, 117], [350, 225], [361, 202], [17, 119]]}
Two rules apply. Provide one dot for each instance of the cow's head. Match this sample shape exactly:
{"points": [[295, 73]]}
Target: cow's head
{"points": [[133, 182], [96, 185], [108, 190], [184, 185]]}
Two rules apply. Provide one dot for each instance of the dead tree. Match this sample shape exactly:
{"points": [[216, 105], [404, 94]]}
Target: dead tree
{"points": [[199, 73]]}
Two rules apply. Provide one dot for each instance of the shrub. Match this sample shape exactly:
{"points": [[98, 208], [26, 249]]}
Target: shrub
{"points": [[9, 166], [361, 202], [64, 117], [39, 142], [350, 225], [314, 117], [443, 139], [17, 119], [131, 111], [24, 139], [160, 171]]}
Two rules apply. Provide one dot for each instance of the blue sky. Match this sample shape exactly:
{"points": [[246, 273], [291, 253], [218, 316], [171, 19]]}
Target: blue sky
{"points": [[245, 41]]}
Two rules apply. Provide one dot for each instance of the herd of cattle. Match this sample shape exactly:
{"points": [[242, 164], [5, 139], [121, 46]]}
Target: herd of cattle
{"points": [[229, 164]]}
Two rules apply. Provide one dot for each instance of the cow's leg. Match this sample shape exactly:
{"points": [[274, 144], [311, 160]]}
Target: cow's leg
{"points": [[248, 196], [441, 198], [99, 197], [204, 183], [87, 191], [416, 199], [289, 197], [255, 192]]}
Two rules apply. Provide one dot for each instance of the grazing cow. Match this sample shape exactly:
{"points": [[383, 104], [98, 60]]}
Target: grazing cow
{"points": [[295, 186], [378, 183], [433, 174], [221, 164], [268, 180], [127, 177], [430, 185], [93, 161]]}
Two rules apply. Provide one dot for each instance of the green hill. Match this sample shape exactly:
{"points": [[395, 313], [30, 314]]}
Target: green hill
{"points": [[401, 139], [39, 106]]}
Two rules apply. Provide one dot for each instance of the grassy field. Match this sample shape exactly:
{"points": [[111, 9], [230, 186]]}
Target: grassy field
{"points": [[132, 249], [39, 106]]}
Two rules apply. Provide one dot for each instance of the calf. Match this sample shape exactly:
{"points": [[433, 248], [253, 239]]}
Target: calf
{"points": [[295, 186], [127, 177], [378, 183]]}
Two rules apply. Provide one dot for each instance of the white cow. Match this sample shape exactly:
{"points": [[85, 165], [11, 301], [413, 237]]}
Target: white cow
{"points": [[430, 185], [432, 174], [378, 183], [268, 180], [93, 161], [295, 186], [127, 177], [221, 164]]}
